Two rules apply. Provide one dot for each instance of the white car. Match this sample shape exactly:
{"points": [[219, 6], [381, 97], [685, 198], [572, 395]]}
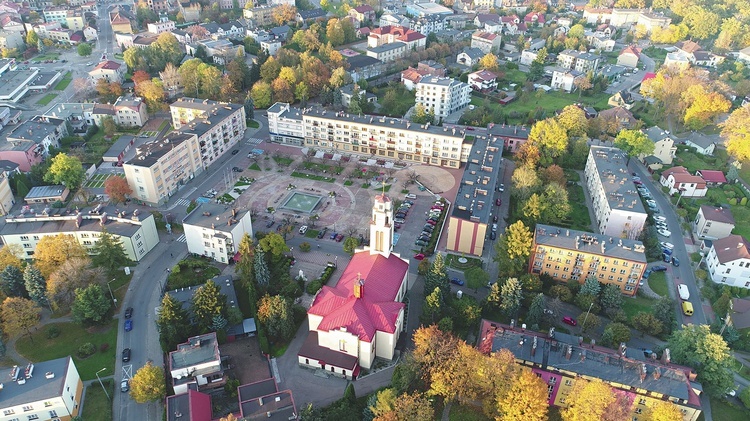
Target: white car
{"points": [[664, 233], [660, 219], [303, 229], [665, 245]]}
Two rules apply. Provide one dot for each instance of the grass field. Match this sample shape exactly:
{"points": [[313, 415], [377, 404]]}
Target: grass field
{"points": [[48, 56], [97, 406], [47, 99], [657, 281], [71, 337], [97, 181], [466, 413], [253, 124], [547, 102], [64, 82], [312, 177], [635, 305], [722, 410], [579, 214]]}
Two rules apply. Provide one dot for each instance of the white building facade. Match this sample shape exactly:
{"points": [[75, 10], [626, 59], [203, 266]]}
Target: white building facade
{"points": [[442, 95], [728, 261]]}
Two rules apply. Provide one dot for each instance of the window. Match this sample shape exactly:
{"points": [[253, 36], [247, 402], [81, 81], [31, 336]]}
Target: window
{"points": [[48, 403], [53, 414], [33, 417], [9, 412], [641, 401], [568, 382], [26, 246]]}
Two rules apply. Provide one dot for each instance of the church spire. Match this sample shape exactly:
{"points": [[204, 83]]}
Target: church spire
{"points": [[381, 225]]}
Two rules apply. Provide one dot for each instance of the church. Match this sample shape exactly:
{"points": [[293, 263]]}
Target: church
{"points": [[361, 317]]}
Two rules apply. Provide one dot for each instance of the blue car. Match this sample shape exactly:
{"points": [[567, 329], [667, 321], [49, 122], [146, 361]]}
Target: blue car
{"points": [[128, 325], [675, 261], [333, 235], [457, 282]]}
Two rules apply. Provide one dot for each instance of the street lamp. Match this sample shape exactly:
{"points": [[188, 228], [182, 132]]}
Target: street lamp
{"points": [[101, 384], [682, 191], [110, 291], [583, 326], [291, 252]]}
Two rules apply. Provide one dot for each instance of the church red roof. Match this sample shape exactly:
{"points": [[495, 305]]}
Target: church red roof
{"points": [[376, 309]]}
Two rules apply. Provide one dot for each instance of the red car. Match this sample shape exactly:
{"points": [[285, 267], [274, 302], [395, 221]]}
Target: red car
{"points": [[431, 222], [569, 320], [339, 238], [498, 202], [419, 256]]}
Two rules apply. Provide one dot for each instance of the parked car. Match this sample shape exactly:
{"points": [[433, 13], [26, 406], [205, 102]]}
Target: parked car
{"points": [[128, 325], [235, 152], [236, 169], [419, 256], [457, 281], [666, 258], [303, 229], [411, 196], [658, 268], [660, 219], [498, 202], [675, 261], [494, 218], [399, 220], [124, 386], [501, 187], [339, 238], [664, 233], [408, 202], [333, 235], [431, 222], [570, 321], [637, 182], [666, 251], [647, 273], [126, 355], [420, 243], [322, 233], [428, 227], [493, 235], [129, 312], [494, 227], [666, 245], [270, 223]]}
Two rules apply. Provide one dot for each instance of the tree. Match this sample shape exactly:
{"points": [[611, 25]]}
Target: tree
{"points": [[109, 126], [247, 252], [555, 203], [35, 285], [140, 76], [702, 22], [476, 276], [666, 411], [663, 310], [84, 50], [91, 305], [554, 174], [634, 143], [511, 295], [153, 93], [350, 244], [707, 352], [67, 170], [109, 253], [587, 400], [19, 315], [432, 309], [573, 119], [117, 189], [190, 77], [339, 78], [582, 84], [615, 334], [407, 407], [275, 313], [53, 250], [526, 400], [284, 13], [437, 277], [526, 181], [536, 310], [262, 274], [9, 255], [170, 77], [261, 94], [334, 32], [736, 133], [489, 62], [73, 274], [12, 282], [147, 385], [210, 78], [173, 323], [32, 39], [513, 249], [207, 302], [422, 115], [611, 298], [647, 323], [705, 106], [590, 321]]}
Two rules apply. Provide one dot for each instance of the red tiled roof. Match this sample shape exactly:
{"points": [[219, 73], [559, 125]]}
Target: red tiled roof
{"points": [[632, 50], [674, 170], [688, 46], [414, 75], [108, 65], [685, 178], [484, 75], [731, 248], [364, 9], [530, 17], [376, 310], [411, 36], [712, 176], [647, 76], [364, 30]]}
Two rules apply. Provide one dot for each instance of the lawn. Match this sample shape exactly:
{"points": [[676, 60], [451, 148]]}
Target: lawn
{"points": [[579, 215], [96, 405], [47, 99], [741, 369], [282, 161], [517, 111], [404, 100], [255, 167], [635, 305], [313, 177], [723, 410], [192, 271], [64, 82], [694, 161], [71, 337], [163, 125], [466, 413], [43, 57], [657, 281], [253, 124]]}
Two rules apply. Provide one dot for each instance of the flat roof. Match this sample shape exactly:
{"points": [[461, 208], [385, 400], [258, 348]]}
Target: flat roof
{"points": [[197, 350], [148, 153], [36, 129], [474, 199], [588, 242], [213, 215], [67, 109], [276, 406], [44, 192], [43, 78], [615, 178], [12, 80], [384, 122], [257, 389], [37, 386], [119, 146]]}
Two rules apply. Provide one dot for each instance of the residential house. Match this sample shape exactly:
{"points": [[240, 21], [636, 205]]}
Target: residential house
{"points": [[126, 111], [10, 39], [310, 15], [191, 405], [739, 313], [215, 231], [561, 360], [388, 52], [431, 67], [599, 41], [597, 15], [392, 19], [190, 10], [616, 204], [664, 147], [136, 230], [46, 194], [489, 22], [260, 15], [347, 93], [703, 144], [219, 50], [534, 19], [744, 55], [677, 59], [271, 46], [90, 33], [486, 42], [528, 57], [713, 222], [362, 317], [696, 55], [285, 124], [606, 30], [121, 23], [427, 25], [443, 96], [728, 261], [629, 56], [512, 25], [390, 34], [109, 70], [627, 256], [680, 181], [578, 61], [470, 56], [363, 14], [564, 79], [620, 116], [165, 25], [44, 390], [512, 136], [196, 364], [28, 143], [411, 77], [364, 67], [483, 81], [622, 99], [712, 177]]}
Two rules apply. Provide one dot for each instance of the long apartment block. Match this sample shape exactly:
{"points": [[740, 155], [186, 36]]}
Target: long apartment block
{"points": [[566, 254], [615, 200]]}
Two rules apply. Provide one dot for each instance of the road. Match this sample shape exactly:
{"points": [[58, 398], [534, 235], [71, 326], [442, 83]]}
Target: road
{"points": [[629, 80]]}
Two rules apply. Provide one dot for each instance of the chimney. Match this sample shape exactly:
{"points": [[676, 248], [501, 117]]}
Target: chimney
{"points": [[213, 227], [657, 373], [533, 347], [568, 352], [623, 349], [359, 286], [234, 213], [583, 354], [665, 356], [644, 371]]}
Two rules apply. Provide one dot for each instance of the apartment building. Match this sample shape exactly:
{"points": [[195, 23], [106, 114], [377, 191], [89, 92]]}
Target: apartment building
{"points": [[471, 214], [56, 14], [213, 230], [185, 110], [7, 200], [443, 95], [109, 70], [388, 52], [196, 364], [136, 230], [566, 254], [487, 42], [728, 261], [285, 124], [561, 360], [389, 34], [385, 137], [713, 222], [164, 25], [29, 142], [582, 62], [616, 203], [54, 393], [261, 15]]}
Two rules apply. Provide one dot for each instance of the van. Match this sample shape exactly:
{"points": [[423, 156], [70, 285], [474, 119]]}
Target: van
{"points": [[687, 308], [682, 289]]}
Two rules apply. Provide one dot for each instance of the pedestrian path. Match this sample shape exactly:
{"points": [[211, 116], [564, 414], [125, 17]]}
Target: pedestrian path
{"points": [[181, 239], [182, 202], [254, 141]]}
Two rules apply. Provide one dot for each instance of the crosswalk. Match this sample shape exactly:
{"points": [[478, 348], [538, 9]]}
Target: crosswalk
{"points": [[181, 239], [254, 141], [183, 202]]}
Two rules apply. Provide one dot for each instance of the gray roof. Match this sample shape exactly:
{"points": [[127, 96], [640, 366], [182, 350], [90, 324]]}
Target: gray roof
{"points": [[122, 143], [509, 131], [37, 387], [651, 160], [35, 129], [276, 406], [149, 153], [280, 30], [657, 134], [610, 164], [8, 166], [198, 350], [276, 107], [62, 220], [67, 110], [11, 80], [208, 215], [700, 139], [473, 53], [359, 61], [387, 47], [621, 248], [474, 200], [43, 78], [198, 104], [383, 122], [44, 192], [257, 389], [225, 284], [311, 14]]}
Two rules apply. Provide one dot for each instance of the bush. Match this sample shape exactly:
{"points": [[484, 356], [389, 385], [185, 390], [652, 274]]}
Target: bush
{"points": [[305, 247], [53, 332], [299, 312], [103, 347], [291, 290], [86, 350], [745, 397], [314, 286]]}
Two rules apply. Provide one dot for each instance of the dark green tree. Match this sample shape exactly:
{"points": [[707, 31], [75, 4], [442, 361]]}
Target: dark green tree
{"points": [[536, 310], [611, 299], [12, 282], [35, 285], [275, 313], [91, 306], [208, 301], [437, 277], [262, 274], [173, 323], [109, 253], [663, 310], [614, 334]]}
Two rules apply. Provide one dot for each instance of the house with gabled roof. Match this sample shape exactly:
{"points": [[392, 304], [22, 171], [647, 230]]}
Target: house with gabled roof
{"points": [[713, 222], [620, 115], [680, 181], [109, 70], [629, 56], [482, 80], [728, 261], [664, 148], [622, 99], [712, 177], [469, 56], [703, 144], [362, 317]]}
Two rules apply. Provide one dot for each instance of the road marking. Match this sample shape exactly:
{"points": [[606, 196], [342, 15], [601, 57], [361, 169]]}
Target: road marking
{"points": [[182, 239], [183, 202], [254, 141]]}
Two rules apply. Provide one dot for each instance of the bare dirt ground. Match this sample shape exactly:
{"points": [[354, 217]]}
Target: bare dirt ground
{"points": [[247, 363]]}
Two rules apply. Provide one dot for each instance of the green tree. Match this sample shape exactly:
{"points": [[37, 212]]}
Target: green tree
{"points": [[247, 253], [422, 115], [702, 22], [109, 253], [614, 334], [647, 323], [350, 244], [19, 315], [190, 77], [591, 286], [551, 137], [590, 322], [35, 285], [437, 277], [573, 119], [663, 310], [91, 306], [555, 203], [84, 49], [696, 346], [511, 297], [432, 309], [634, 143], [173, 323], [207, 302], [611, 299], [476, 277], [513, 249], [12, 282], [275, 313], [273, 243], [536, 310], [262, 274], [32, 39], [147, 385], [67, 170]]}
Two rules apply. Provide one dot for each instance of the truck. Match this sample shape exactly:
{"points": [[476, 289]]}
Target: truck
{"points": [[682, 289]]}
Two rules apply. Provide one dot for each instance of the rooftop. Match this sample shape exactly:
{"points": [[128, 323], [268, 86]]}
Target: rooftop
{"points": [[474, 197], [731, 248], [587, 242], [387, 47], [719, 214], [36, 129], [615, 178], [48, 383], [12, 80], [657, 134], [197, 350], [44, 192], [361, 60], [262, 399], [67, 110], [214, 216], [712, 176], [149, 153], [107, 65], [378, 121]]}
